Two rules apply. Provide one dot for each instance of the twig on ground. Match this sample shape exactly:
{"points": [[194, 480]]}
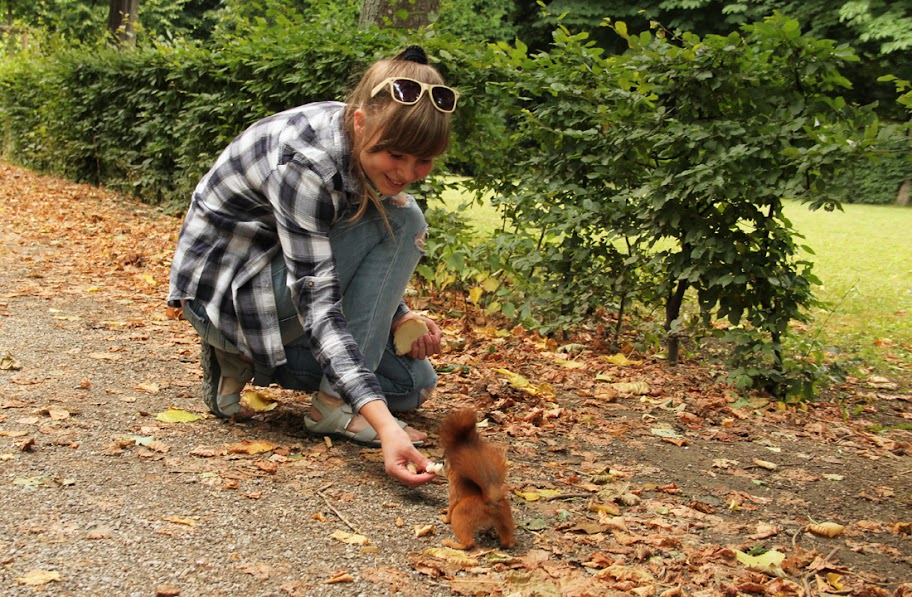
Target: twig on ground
{"points": [[334, 511]]}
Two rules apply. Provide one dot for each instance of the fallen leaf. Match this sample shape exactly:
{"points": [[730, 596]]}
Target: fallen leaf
{"points": [[251, 447], [826, 529], [768, 563], [339, 577], [635, 388], [258, 401], [176, 415], [617, 572], [37, 577], [180, 520], [424, 530], [770, 466], [350, 538], [764, 531], [8, 363], [56, 414], [456, 557], [620, 359], [724, 463]]}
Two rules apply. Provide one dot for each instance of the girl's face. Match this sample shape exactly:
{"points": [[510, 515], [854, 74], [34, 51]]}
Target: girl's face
{"points": [[390, 171]]}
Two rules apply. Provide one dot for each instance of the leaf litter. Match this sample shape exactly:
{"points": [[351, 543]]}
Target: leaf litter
{"points": [[627, 477]]}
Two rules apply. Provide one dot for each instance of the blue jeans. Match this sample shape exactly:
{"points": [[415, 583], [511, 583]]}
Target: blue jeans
{"points": [[374, 269]]}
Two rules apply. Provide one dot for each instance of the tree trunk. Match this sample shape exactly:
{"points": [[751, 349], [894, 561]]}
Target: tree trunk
{"points": [[390, 13], [673, 304], [122, 15], [902, 197]]}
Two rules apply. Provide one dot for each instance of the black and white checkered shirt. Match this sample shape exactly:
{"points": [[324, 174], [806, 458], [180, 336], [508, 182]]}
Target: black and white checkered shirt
{"points": [[279, 186]]}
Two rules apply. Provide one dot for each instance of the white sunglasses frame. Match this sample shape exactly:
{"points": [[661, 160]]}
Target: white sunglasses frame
{"points": [[424, 87]]}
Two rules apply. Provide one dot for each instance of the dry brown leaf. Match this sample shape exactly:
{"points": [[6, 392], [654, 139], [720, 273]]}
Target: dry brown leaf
{"points": [[251, 447], [825, 529], [618, 572], [339, 577]]}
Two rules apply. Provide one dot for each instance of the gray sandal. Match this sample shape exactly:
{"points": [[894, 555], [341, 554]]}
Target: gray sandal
{"points": [[224, 407], [334, 423]]}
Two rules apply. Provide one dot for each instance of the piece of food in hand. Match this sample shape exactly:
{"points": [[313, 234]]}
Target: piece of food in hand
{"points": [[407, 333], [435, 467], [257, 401]]}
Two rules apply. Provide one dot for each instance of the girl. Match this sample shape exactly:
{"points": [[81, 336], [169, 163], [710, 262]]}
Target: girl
{"points": [[296, 251]]}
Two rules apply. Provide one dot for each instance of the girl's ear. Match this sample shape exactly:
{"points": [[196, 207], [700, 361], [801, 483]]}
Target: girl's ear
{"points": [[359, 121]]}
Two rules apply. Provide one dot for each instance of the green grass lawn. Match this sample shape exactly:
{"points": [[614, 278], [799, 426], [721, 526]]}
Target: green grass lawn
{"points": [[863, 257]]}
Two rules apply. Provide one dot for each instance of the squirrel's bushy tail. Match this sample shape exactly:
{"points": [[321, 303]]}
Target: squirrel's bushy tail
{"points": [[458, 429]]}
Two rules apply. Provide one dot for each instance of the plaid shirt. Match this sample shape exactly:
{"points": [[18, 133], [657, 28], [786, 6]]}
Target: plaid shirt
{"points": [[279, 186]]}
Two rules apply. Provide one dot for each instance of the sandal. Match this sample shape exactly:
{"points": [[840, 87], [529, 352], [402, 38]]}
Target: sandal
{"points": [[224, 407], [334, 421]]}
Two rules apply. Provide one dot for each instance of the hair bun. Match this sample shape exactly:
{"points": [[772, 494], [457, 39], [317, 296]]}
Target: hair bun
{"points": [[415, 54]]}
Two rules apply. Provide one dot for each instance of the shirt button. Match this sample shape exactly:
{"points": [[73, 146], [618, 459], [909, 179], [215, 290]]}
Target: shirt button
{"points": [[311, 284]]}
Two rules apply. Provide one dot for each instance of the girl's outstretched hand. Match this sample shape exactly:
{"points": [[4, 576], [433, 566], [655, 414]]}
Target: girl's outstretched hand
{"points": [[398, 453]]}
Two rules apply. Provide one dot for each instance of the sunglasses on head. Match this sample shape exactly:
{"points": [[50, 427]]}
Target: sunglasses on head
{"points": [[409, 91]]}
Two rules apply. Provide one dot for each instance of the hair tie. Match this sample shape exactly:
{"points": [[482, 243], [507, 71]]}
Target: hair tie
{"points": [[415, 54]]}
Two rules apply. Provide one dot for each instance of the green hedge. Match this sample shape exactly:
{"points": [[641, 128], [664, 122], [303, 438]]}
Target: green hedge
{"points": [[151, 121]]}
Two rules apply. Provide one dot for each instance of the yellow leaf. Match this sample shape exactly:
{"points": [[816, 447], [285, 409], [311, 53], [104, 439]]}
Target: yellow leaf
{"points": [[475, 294], [176, 415], [178, 520], [518, 381], [620, 359], [424, 530], [835, 581], [350, 538], [35, 578], [768, 563], [148, 279], [258, 401], [537, 494], [251, 447], [826, 529], [570, 364]]}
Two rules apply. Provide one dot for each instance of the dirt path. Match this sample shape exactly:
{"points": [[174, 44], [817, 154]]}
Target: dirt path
{"points": [[616, 493]]}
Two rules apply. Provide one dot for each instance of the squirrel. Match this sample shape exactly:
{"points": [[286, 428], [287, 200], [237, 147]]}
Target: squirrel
{"points": [[476, 472]]}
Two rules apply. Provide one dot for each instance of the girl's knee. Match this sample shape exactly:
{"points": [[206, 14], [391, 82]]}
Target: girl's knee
{"points": [[409, 220]]}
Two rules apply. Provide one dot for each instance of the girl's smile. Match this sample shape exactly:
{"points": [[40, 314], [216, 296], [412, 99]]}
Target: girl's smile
{"points": [[392, 172]]}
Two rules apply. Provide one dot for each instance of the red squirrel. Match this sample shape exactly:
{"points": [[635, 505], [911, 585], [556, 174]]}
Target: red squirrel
{"points": [[477, 472]]}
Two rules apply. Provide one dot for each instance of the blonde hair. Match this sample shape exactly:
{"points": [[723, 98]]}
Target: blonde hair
{"points": [[420, 129]]}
